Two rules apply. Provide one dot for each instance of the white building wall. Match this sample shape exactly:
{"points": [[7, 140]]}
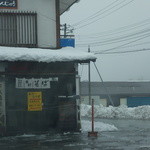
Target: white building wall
{"points": [[123, 101], [103, 102], [46, 17], [97, 100]]}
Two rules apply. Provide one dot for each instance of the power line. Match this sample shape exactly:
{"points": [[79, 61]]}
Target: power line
{"points": [[105, 15], [46, 17], [129, 51], [144, 43], [148, 35], [103, 43], [118, 39], [104, 11], [116, 31], [91, 17], [129, 46], [109, 97]]}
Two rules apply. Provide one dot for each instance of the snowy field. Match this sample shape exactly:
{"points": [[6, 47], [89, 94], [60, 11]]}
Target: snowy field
{"points": [[121, 112]]}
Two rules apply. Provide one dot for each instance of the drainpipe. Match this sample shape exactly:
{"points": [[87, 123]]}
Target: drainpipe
{"points": [[57, 23]]}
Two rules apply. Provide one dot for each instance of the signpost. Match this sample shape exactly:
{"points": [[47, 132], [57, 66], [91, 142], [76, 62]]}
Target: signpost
{"points": [[92, 133], [8, 4]]}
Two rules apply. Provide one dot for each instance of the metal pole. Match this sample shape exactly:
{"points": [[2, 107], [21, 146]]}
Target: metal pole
{"points": [[92, 133], [57, 24], [89, 74], [92, 115], [65, 30]]}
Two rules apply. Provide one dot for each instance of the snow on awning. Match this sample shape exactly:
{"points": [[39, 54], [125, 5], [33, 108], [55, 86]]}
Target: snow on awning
{"points": [[66, 4], [67, 54]]}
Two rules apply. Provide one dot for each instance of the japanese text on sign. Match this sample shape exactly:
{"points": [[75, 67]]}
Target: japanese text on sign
{"points": [[34, 101], [8, 3], [34, 83]]}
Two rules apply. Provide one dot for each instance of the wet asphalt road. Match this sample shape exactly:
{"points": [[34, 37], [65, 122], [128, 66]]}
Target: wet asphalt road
{"points": [[131, 135]]}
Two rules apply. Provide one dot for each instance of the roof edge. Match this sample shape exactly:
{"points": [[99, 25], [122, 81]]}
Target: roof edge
{"points": [[69, 6]]}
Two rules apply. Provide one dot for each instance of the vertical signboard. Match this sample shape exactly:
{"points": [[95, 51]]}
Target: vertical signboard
{"points": [[8, 4], [34, 101]]}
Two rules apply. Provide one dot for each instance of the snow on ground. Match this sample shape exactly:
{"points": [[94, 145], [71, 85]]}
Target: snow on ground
{"points": [[98, 126], [121, 112]]}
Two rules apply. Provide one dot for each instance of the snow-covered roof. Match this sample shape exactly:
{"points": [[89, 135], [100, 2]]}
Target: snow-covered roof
{"points": [[66, 4], [44, 55]]}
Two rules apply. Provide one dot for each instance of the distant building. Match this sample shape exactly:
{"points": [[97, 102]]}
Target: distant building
{"points": [[131, 94]]}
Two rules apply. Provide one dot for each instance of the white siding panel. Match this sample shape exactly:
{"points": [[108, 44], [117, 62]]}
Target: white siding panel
{"points": [[46, 16]]}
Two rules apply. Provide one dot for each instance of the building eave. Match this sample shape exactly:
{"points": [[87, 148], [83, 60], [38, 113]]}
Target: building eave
{"points": [[66, 4]]}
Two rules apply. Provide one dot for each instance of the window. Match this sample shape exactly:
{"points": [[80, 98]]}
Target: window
{"points": [[18, 29]]}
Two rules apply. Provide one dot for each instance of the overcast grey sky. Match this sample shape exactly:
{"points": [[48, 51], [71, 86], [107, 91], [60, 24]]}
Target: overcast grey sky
{"points": [[99, 23]]}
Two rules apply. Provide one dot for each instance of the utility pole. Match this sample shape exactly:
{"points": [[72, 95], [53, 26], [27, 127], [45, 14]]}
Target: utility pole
{"points": [[65, 30], [57, 23], [89, 74]]}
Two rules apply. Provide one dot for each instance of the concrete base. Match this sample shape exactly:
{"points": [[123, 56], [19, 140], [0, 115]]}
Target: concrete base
{"points": [[92, 134]]}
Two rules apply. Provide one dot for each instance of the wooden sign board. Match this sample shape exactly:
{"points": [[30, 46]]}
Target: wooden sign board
{"points": [[11, 4]]}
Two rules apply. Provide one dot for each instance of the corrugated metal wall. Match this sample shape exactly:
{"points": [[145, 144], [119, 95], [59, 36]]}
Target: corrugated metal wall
{"points": [[19, 119], [138, 101]]}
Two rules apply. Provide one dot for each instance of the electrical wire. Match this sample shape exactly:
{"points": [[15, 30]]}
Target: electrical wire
{"points": [[104, 16], [109, 97], [118, 39], [116, 31], [129, 51], [104, 11], [129, 46], [52, 107], [46, 17], [91, 17], [122, 37], [103, 51]]}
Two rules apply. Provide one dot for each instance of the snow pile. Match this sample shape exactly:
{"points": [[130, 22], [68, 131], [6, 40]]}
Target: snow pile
{"points": [[141, 112], [98, 126], [44, 55]]}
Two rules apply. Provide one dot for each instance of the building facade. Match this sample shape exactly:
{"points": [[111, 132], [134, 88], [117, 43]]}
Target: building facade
{"points": [[39, 84], [31, 23], [131, 94]]}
